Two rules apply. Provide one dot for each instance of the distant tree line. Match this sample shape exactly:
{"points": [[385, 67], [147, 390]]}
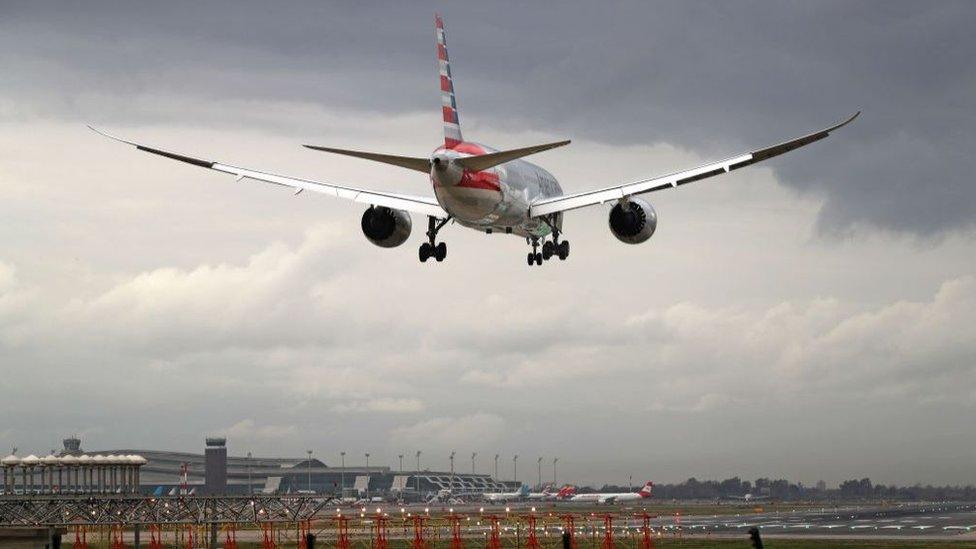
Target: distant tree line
{"points": [[784, 490]]}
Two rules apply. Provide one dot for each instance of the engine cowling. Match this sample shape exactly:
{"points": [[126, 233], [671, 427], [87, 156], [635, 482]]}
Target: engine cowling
{"points": [[386, 227], [633, 223]]}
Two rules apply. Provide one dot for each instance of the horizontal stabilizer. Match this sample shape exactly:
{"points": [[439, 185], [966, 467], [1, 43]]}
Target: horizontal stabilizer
{"points": [[485, 161], [409, 162]]}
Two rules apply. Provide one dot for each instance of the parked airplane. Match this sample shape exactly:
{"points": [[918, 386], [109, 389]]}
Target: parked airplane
{"points": [[501, 497], [645, 492], [489, 190], [545, 494]]}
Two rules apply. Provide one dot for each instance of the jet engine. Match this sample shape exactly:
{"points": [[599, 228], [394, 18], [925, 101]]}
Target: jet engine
{"points": [[386, 227], [633, 222]]}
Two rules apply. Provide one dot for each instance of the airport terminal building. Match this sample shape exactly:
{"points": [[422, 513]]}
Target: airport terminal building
{"points": [[215, 472]]}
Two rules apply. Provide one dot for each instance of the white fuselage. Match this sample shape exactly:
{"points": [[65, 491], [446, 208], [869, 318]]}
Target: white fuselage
{"points": [[492, 200]]}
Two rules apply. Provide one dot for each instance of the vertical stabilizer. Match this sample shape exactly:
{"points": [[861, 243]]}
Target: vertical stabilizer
{"points": [[452, 125]]}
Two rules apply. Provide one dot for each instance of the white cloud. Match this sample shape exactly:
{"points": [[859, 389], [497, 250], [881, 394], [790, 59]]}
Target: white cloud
{"points": [[248, 429], [383, 405], [729, 319], [444, 434]]}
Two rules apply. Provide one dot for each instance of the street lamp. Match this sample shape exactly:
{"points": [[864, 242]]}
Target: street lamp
{"points": [[250, 489], [342, 476], [308, 468], [496, 467], [554, 461], [367, 476], [473, 455], [401, 462], [515, 467], [452, 470], [417, 474], [539, 465]]}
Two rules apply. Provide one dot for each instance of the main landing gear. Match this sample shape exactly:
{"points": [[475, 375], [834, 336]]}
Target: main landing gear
{"points": [[549, 248], [430, 248]]}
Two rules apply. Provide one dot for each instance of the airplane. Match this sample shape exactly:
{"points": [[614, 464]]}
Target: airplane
{"points": [[501, 497], [490, 190], [748, 497], [545, 494], [644, 493]]}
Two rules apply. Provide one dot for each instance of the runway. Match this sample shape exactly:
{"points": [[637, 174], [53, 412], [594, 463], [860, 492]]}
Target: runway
{"points": [[927, 520]]}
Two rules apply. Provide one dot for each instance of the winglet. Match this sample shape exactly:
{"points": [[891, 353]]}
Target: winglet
{"points": [[182, 158], [108, 135], [845, 122]]}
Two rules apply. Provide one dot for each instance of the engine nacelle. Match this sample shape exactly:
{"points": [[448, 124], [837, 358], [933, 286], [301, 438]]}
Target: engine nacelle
{"points": [[633, 223], [386, 227]]}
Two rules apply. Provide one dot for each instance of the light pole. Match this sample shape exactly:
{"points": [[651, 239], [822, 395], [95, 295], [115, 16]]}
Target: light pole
{"points": [[515, 467], [367, 476], [417, 474], [309, 469], [554, 461], [342, 476], [473, 455], [250, 490], [496, 467], [401, 462], [452, 471], [539, 465]]}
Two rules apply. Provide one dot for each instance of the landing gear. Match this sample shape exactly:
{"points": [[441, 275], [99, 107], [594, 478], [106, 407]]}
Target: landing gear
{"points": [[551, 247], [548, 249], [430, 248], [535, 257]]}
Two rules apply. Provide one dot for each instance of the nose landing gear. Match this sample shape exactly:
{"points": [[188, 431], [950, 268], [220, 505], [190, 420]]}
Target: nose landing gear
{"points": [[430, 248]]}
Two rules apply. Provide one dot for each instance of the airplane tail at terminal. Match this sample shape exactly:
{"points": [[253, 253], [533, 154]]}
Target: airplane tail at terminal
{"points": [[647, 490], [452, 124], [567, 491]]}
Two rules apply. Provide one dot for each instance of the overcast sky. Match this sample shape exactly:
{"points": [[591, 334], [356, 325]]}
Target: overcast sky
{"points": [[813, 317]]}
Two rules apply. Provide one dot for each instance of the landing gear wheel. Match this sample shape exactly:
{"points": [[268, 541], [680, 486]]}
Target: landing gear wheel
{"points": [[538, 258], [530, 258], [563, 250], [430, 248], [548, 249]]}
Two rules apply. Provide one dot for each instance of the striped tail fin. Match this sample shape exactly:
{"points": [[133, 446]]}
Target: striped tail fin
{"points": [[452, 125]]}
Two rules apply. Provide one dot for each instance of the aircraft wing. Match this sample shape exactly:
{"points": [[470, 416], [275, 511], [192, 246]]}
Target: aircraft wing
{"points": [[608, 499], [415, 204], [579, 200]]}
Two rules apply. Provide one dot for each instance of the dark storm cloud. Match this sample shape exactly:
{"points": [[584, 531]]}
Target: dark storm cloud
{"points": [[715, 77]]}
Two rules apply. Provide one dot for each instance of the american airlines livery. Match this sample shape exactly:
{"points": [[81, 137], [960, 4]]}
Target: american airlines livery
{"points": [[644, 493], [492, 191]]}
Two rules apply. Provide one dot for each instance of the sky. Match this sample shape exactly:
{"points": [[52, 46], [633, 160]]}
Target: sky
{"points": [[811, 317]]}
